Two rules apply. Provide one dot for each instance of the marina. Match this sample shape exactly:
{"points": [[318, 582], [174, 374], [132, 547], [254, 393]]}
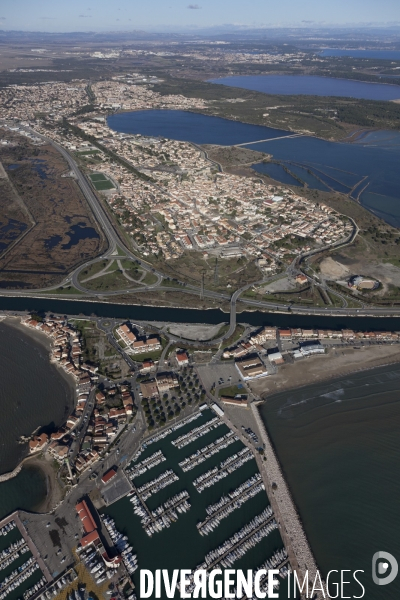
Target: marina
{"points": [[227, 504], [196, 530], [201, 455], [227, 467], [22, 570], [145, 465], [193, 435], [152, 487], [11, 553], [165, 514]]}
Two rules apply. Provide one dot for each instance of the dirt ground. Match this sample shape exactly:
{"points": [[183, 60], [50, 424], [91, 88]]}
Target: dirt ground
{"points": [[319, 368], [195, 332], [332, 269], [232, 156], [281, 285]]}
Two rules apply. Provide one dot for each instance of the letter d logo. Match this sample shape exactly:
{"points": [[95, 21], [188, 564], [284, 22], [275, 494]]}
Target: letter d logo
{"points": [[380, 565]]}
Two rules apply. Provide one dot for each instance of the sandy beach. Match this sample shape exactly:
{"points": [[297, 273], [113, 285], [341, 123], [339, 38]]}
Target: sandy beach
{"points": [[54, 493], [334, 364]]}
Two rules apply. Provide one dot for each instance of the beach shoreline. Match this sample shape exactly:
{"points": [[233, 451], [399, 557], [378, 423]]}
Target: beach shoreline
{"points": [[46, 343], [323, 368], [54, 493]]}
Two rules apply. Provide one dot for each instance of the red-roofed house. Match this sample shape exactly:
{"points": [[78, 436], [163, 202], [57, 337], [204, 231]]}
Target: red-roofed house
{"points": [[182, 359], [109, 475]]}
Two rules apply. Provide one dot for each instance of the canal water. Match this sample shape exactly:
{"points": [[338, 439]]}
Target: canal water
{"points": [[33, 393], [324, 165], [187, 315], [181, 546], [338, 444]]}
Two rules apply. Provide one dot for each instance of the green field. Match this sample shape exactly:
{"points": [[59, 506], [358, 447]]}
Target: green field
{"points": [[103, 185], [231, 391], [98, 177]]}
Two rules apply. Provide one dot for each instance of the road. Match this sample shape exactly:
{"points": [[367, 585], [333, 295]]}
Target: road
{"points": [[114, 241]]}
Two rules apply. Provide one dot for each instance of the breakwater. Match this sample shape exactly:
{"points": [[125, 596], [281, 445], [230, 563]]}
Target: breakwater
{"points": [[291, 528]]}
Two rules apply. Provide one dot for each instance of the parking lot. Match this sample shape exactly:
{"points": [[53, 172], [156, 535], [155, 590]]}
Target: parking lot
{"points": [[220, 374]]}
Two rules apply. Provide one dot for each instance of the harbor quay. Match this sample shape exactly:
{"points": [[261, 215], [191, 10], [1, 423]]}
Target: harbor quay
{"points": [[15, 518], [291, 528]]}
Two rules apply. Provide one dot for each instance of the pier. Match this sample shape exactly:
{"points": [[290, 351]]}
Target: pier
{"points": [[264, 580], [201, 455], [227, 467], [13, 555], [15, 575], [154, 486], [146, 464], [281, 137], [194, 434], [227, 504], [251, 534]]}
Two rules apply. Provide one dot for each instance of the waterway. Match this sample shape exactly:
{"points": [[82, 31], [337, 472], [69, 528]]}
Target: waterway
{"points": [[338, 445], [33, 393], [187, 315], [312, 85], [367, 170]]}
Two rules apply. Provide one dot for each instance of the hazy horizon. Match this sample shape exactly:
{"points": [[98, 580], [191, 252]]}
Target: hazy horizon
{"points": [[180, 15]]}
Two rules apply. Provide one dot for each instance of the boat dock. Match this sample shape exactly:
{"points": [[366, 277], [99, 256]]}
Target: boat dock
{"points": [[227, 504], [194, 434], [145, 465], [157, 484], [240, 542], [201, 455], [229, 465]]}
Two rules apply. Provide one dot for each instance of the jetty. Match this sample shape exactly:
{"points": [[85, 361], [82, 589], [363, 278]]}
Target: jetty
{"points": [[293, 535]]}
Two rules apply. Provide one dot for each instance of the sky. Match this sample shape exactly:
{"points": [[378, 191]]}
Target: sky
{"points": [[154, 15]]}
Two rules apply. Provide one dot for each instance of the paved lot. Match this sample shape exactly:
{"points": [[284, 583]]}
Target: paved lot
{"points": [[243, 416], [115, 489], [211, 374], [59, 536]]}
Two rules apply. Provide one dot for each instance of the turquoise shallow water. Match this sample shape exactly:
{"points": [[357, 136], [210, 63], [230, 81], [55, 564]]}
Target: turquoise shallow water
{"points": [[338, 444]]}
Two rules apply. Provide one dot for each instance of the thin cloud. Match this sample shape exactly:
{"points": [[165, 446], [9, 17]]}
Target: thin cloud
{"points": [[193, 6], [2, 19], [48, 18], [85, 16]]}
